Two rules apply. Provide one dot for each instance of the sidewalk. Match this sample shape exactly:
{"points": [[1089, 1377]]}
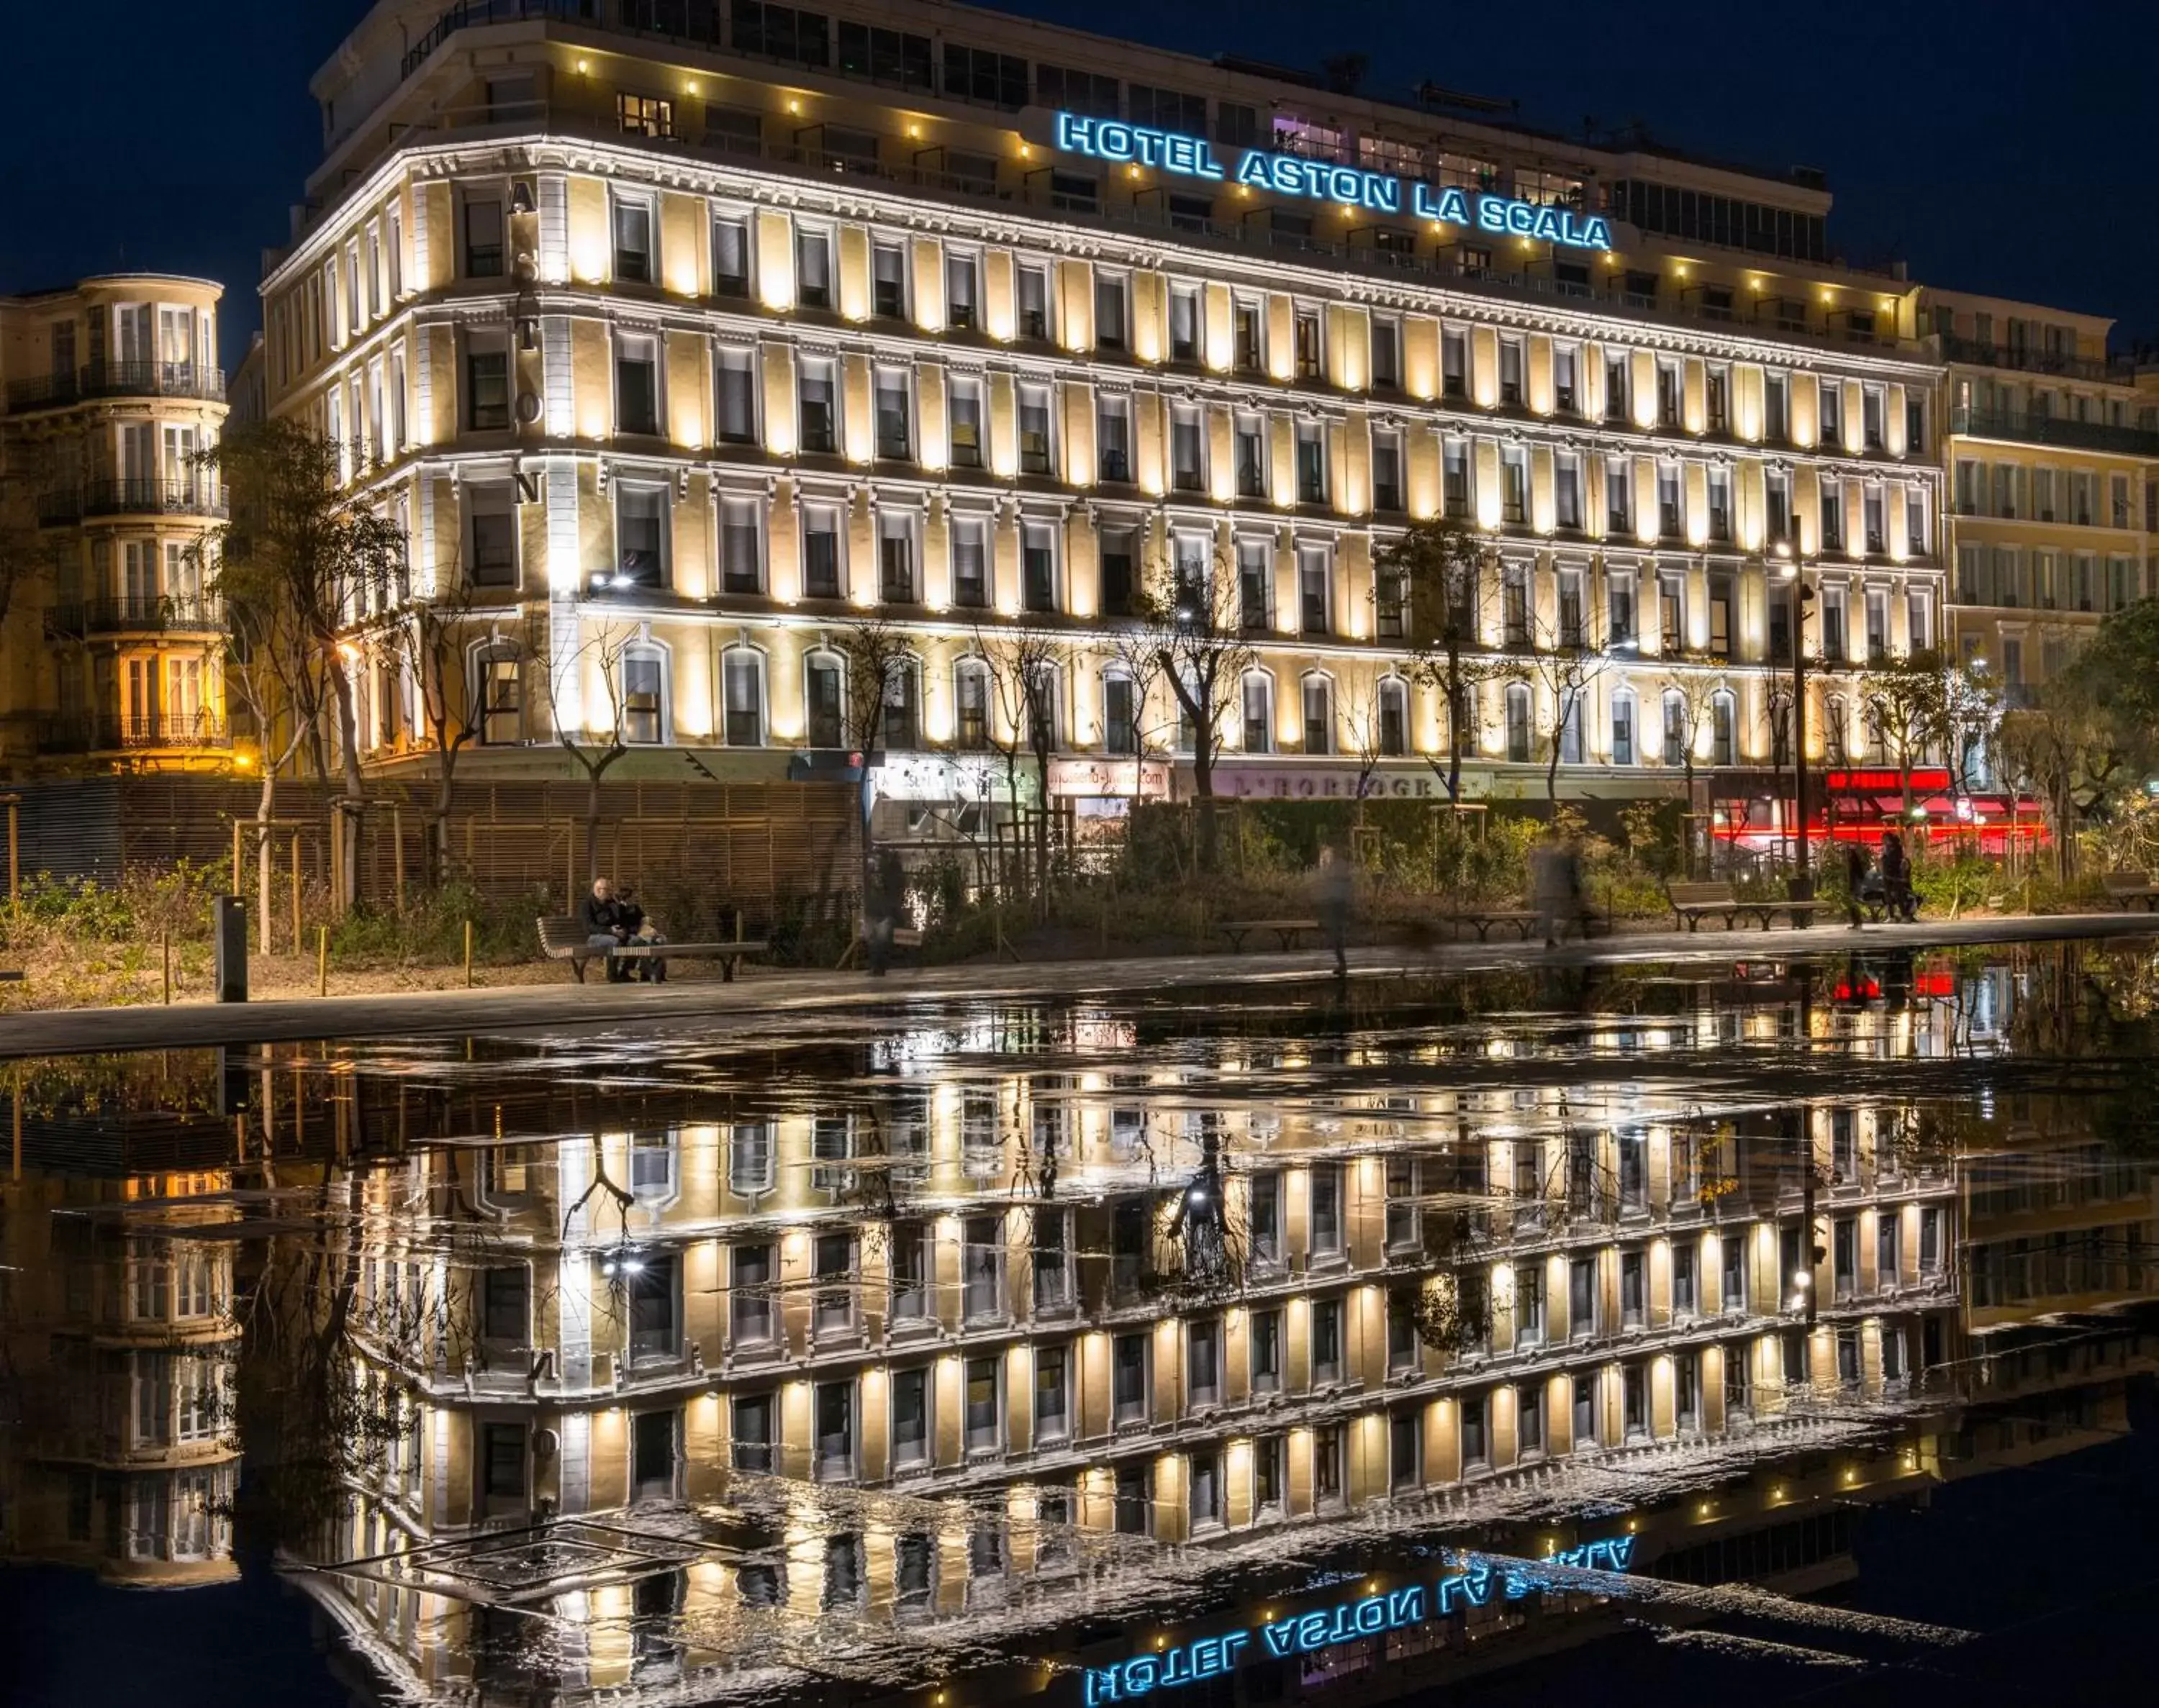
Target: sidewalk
{"points": [[512, 1008]]}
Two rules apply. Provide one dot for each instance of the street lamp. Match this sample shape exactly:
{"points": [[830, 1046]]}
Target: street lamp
{"points": [[1803, 883]]}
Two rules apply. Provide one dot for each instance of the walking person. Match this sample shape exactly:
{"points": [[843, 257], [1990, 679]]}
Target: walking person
{"points": [[887, 895], [1897, 879], [1335, 885], [1556, 887], [1858, 879]]}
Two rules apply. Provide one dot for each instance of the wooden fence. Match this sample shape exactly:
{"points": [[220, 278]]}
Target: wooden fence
{"points": [[765, 848]]}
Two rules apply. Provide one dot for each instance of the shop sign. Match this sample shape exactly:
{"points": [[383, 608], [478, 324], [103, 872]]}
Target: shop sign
{"points": [[1368, 1615], [968, 778], [1328, 181], [1316, 783], [1085, 778]]}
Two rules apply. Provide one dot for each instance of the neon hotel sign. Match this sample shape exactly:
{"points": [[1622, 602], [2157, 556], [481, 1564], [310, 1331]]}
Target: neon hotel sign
{"points": [[1325, 181], [1368, 1616]]}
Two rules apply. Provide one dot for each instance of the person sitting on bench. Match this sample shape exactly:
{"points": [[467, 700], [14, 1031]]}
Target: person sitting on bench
{"points": [[610, 923]]}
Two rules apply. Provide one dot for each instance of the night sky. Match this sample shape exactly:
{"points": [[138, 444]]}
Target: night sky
{"points": [[1995, 147]]}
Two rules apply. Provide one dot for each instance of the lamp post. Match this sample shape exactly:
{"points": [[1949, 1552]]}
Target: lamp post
{"points": [[1803, 883]]}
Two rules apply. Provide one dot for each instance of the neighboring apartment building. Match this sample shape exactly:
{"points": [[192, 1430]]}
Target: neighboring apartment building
{"points": [[691, 351], [112, 650], [120, 1349], [2052, 450]]}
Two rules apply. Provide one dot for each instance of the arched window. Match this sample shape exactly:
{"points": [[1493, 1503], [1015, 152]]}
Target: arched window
{"points": [[1677, 735], [1259, 697], [742, 689], [1877, 736], [1518, 723], [1626, 715], [1318, 714], [1041, 702], [1723, 728], [1120, 713], [1393, 734], [900, 729], [970, 705], [1570, 729], [644, 720], [824, 694]]}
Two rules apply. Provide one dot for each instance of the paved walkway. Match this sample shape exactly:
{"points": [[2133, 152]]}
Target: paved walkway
{"points": [[517, 1008]]}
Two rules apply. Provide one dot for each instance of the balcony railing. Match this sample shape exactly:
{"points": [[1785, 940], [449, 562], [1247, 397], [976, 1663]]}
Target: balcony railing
{"points": [[2054, 430], [148, 613], [153, 379], [2119, 369], [113, 733], [61, 505], [117, 380]]}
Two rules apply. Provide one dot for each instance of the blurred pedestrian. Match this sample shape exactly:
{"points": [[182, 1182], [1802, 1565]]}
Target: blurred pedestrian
{"points": [[888, 895], [1335, 887], [1556, 887], [1860, 883], [1897, 892]]}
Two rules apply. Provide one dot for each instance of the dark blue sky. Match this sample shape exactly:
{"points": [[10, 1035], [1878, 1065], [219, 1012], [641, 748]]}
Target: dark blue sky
{"points": [[1997, 147]]}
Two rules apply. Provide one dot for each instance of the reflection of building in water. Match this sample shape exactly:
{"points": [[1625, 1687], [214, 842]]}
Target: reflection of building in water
{"points": [[928, 1342], [117, 1313], [2058, 1220]]}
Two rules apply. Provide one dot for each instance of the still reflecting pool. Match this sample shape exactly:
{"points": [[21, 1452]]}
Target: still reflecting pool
{"points": [[1242, 1348]]}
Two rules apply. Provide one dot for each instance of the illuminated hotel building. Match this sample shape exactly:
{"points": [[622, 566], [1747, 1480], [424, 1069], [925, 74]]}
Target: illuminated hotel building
{"points": [[693, 336], [2052, 450], [112, 651]]}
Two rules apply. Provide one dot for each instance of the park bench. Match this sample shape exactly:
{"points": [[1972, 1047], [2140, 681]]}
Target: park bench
{"points": [[1484, 918], [1692, 902], [2130, 889], [903, 937], [1287, 930], [565, 939]]}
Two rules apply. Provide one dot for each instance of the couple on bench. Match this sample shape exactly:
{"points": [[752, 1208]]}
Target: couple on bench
{"points": [[613, 921]]}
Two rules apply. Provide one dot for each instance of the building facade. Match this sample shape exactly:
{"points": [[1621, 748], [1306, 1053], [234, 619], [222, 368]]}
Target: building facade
{"points": [[690, 354], [2052, 447], [113, 647]]}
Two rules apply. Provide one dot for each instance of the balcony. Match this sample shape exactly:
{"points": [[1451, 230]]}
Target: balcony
{"points": [[182, 379], [140, 614], [2118, 369], [113, 733], [2029, 429], [61, 507], [153, 379]]}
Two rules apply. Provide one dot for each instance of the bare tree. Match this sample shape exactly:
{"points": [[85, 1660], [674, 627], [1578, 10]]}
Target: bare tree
{"points": [[1191, 614], [875, 650], [302, 535], [1688, 707], [429, 634], [1366, 718], [1569, 669], [276, 673], [1133, 653], [1022, 670], [1777, 707], [1432, 584], [596, 746]]}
